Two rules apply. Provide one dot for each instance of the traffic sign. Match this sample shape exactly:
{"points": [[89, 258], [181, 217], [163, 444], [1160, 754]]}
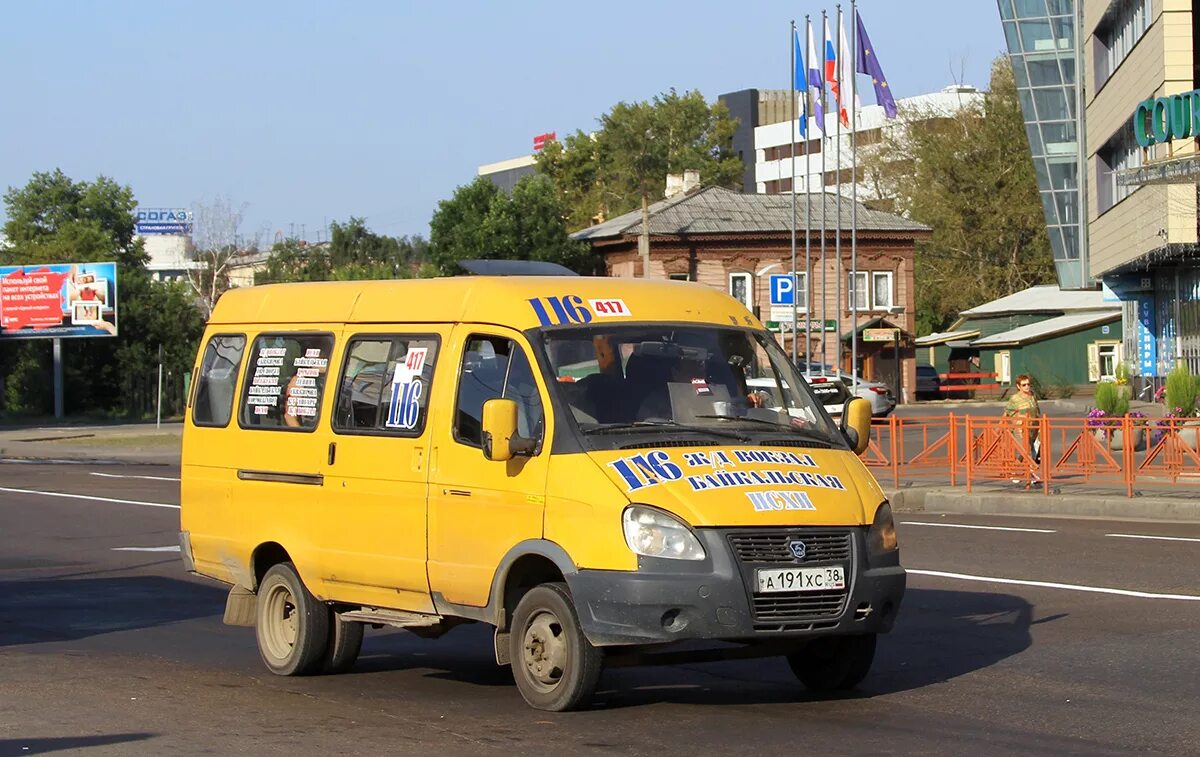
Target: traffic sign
{"points": [[880, 335], [783, 289]]}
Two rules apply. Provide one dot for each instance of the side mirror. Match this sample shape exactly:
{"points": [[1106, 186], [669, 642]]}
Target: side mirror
{"points": [[500, 439], [856, 424]]}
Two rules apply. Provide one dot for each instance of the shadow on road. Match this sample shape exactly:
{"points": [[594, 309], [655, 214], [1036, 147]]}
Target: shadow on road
{"points": [[64, 609], [939, 636], [11, 747]]}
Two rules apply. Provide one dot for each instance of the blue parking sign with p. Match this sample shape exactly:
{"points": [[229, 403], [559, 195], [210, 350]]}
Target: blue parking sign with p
{"points": [[783, 289]]}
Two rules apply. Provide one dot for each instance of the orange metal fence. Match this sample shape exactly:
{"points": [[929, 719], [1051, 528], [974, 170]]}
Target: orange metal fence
{"points": [[1120, 453]]}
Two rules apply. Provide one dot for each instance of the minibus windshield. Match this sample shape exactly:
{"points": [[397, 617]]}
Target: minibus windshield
{"points": [[684, 381]]}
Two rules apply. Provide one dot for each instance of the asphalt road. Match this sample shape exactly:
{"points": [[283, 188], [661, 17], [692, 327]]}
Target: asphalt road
{"points": [[109, 649]]}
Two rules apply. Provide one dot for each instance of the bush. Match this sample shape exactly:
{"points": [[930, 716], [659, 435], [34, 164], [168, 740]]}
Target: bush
{"points": [[1109, 399], [1061, 388], [1181, 391]]}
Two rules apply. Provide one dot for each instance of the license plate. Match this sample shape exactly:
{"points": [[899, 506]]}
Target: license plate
{"points": [[801, 579]]}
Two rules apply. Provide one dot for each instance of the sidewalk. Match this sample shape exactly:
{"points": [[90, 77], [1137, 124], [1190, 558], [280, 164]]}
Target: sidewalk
{"points": [[1094, 502], [140, 443]]}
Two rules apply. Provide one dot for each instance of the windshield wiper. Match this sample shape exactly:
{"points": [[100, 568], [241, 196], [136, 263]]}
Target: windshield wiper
{"points": [[747, 419], [658, 425], [808, 433]]}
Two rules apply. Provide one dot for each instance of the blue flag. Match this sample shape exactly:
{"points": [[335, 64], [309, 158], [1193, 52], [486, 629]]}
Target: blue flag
{"points": [[799, 81], [868, 63]]}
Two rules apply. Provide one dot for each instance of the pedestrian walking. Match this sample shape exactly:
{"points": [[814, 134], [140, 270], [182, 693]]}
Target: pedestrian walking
{"points": [[1023, 408]]}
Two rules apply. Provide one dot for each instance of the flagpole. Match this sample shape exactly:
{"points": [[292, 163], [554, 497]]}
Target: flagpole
{"points": [[792, 271], [837, 249], [807, 218], [824, 287], [854, 188]]}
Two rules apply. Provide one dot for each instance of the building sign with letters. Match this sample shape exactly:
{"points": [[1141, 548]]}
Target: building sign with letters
{"points": [[163, 221]]}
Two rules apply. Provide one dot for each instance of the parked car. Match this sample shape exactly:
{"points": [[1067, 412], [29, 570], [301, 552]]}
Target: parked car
{"points": [[879, 394], [828, 389], [929, 383]]}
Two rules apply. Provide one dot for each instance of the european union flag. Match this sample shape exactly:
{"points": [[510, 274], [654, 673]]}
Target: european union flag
{"points": [[800, 83], [868, 63]]}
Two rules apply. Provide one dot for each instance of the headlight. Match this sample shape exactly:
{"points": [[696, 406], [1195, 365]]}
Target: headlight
{"points": [[654, 533], [881, 537]]}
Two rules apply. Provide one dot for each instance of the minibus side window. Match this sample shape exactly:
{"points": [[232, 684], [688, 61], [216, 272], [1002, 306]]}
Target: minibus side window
{"points": [[385, 383], [285, 379], [494, 367], [218, 380]]}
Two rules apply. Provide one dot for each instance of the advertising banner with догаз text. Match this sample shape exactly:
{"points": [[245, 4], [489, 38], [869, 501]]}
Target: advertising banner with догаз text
{"points": [[58, 300]]}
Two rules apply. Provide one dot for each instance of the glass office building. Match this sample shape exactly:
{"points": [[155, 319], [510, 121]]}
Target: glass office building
{"points": [[1042, 45]]}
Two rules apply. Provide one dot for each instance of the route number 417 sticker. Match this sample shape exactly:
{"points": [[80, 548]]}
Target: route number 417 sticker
{"points": [[570, 309]]}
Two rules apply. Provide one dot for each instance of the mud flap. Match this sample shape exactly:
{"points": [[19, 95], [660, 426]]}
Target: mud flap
{"points": [[240, 607], [501, 643]]}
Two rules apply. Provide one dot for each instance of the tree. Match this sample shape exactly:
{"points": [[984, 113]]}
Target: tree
{"points": [[353, 252], [625, 164], [480, 222], [54, 219], [218, 243], [968, 176]]}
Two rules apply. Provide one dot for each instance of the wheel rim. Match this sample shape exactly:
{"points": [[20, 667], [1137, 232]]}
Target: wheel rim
{"points": [[280, 622], [545, 650]]}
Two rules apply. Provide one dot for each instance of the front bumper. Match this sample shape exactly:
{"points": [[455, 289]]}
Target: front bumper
{"points": [[714, 598]]}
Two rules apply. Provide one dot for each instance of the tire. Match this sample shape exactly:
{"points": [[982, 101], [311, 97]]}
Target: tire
{"points": [[291, 625], [345, 642], [555, 667], [834, 663]]}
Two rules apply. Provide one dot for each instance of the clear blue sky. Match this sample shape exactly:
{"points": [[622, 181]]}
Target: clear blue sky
{"points": [[313, 111]]}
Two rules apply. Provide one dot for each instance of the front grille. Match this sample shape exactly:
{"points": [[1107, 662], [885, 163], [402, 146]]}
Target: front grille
{"points": [[794, 610], [772, 546]]}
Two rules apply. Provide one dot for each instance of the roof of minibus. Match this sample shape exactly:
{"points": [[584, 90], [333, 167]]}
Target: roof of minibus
{"points": [[519, 302]]}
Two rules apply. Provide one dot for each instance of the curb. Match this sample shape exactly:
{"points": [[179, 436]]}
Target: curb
{"points": [[934, 500]]}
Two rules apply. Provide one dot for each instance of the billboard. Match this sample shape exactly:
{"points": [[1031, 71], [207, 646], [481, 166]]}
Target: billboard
{"points": [[58, 300], [163, 221]]}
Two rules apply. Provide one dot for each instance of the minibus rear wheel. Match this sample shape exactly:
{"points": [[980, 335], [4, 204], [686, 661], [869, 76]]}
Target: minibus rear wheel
{"points": [[291, 625], [834, 663], [555, 667]]}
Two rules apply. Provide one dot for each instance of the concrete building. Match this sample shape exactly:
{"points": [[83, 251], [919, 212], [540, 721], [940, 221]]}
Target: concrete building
{"points": [[767, 133], [506, 173], [171, 256], [1142, 208], [1138, 66], [734, 242]]}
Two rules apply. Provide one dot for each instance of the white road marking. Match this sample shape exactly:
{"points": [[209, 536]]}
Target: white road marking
{"points": [[121, 475], [985, 528], [89, 497], [1158, 538], [146, 549], [1052, 585]]}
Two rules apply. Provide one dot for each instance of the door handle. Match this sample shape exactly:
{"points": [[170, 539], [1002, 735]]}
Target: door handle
{"points": [[332, 452], [457, 492]]}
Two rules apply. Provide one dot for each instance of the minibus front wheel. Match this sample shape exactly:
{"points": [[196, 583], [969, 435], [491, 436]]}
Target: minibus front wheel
{"points": [[834, 663], [554, 665], [291, 625]]}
